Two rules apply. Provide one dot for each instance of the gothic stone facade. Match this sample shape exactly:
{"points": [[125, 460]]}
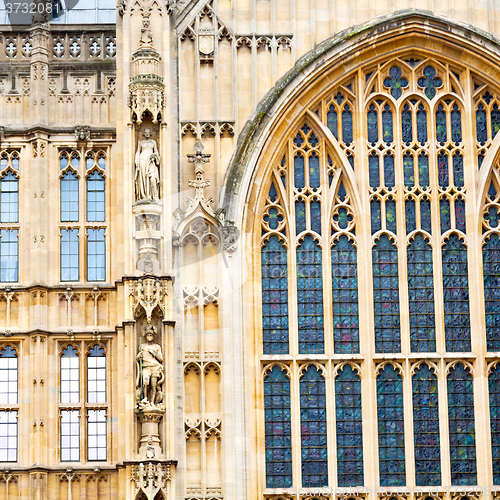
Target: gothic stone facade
{"points": [[297, 203]]}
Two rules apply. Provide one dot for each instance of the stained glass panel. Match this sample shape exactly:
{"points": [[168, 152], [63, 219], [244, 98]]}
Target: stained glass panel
{"points": [[387, 124], [425, 215], [481, 131], [372, 120], [458, 170], [386, 296], [390, 215], [390, 427], [491, 277], [408, 170], [389, 180], [345, 296], [406, 125], [315, 207], [426, 427], [298, 167], [396, 82], [410, 216], [456, 296], [375, 216], [456, 125], [444, 215], [300, 216], [314, 171], [495, 120], [441, 133], [460, 214], [421, 296], [443, 175], [274, 297], [349, 428], [310, 297], [373, 165], [347, 129], [423, 171], [332, 121], [421, 124], [429, 82], [313, 429], [494, 387], [278, 432], [461, 422]]}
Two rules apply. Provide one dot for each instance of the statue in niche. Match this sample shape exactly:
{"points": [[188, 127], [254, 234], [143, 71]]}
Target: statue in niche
{"points": [[147, 162], [150, 373]]}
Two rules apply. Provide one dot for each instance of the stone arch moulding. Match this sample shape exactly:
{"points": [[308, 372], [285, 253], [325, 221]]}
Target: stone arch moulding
{"points": [[316, 73]]}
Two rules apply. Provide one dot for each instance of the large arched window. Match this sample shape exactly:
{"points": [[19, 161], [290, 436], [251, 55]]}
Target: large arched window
{"points": [[371, 252]]}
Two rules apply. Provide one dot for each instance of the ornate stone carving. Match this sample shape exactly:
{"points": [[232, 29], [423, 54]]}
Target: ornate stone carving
{"points": [[150, 478], [146, 86], [230, 234], [150, 375], [147, 161], [82, 133], [149, 293]]}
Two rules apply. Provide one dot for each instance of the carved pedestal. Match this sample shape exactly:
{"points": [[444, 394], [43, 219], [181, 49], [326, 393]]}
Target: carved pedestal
{"points": [[148, 234], [150, 437]]}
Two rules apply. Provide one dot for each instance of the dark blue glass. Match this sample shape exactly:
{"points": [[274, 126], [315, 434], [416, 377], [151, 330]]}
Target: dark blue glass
{"points": [[429, 82], [460, 214], [345, 296], [373, 166], [314, 452], [314, 171], [444, 215], [332, 121], [406, 125], [372, 122], [410, 216], [375, 216], [481, 130], [458, 170], [278, 432], [347, 130], [408, 170], [441, 132], [443, 172], [494, 387], [387, 124], [396, 82], [426, 427], [461, 422], [298, 167], [386, 296], [349, 428], [390, 215], [495, 120], [456, 125], [274, 297], [391, 442], [421, 124], [425, 215], [456, 296], [421, 296], [315, 207], [389, 180], [491, 278], [300, 216], [310, 297], [423, 171]]}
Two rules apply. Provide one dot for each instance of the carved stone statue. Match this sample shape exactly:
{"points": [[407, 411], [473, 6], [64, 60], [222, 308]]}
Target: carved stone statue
{"points": [[147, 161], [150, 373]]}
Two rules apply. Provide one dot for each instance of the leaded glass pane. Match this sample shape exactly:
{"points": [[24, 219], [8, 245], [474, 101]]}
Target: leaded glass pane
{"points": [[426, 427], [314, 176], [386, 296], [96, 375], [332, 121], [314, 452], [9, 255], [390, 215], [491, 277], [494, 387], [69, 197], [347, 129], [70, 435], [410, 216], [375, 216], [315, 208], [70, 375], [70, 255], [274, 297], [9, 198], [425, 215], [310, 296], [96, 255], [390, 427], [278, 432], [461, 421], [95, 197], [8, 376], [299, 176], [300, 216], [456, 296], [345, 296], [421, 296], [8, 436], [96, 435], [349, 428]]}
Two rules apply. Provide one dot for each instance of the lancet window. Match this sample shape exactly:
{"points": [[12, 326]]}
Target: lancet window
{"points": [[83, 402], [381, 201], [9, 216], [9, 375], [83, 215]]}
